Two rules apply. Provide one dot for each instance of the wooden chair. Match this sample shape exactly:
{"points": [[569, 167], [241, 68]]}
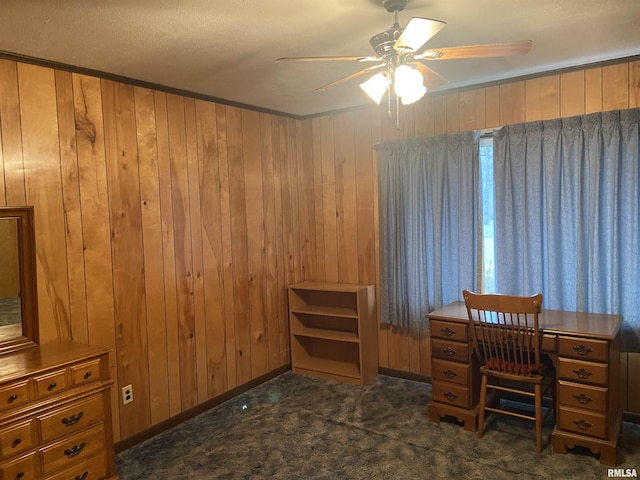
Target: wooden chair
{"points": [[506, 339]]}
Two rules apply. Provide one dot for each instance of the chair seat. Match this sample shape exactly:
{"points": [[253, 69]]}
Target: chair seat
{"points": [[496, 363]]}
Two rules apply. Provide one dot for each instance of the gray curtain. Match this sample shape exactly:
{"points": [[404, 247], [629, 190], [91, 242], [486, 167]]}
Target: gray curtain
{"points": [[567, 214], [428, 204]]}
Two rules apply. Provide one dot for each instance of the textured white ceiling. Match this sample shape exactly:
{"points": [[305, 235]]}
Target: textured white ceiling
{"points": [[226, 50]]}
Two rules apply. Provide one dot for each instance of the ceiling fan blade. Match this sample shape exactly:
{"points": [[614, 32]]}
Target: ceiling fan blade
{"points": [[417, 32], [432, 79], [349, 77], [324, 59], [504, 49]]}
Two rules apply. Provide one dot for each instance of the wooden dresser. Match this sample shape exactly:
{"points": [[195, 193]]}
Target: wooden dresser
{"points": [[585, 349], [55, 413]]}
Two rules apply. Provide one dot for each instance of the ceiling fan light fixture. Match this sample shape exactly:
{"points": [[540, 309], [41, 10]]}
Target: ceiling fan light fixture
{"points": [[408, 84], [376, 87]]}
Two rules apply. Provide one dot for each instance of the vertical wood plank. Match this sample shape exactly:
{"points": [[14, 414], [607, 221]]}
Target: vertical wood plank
{"points": [[227, 249], [43, 188], [616, 94], [424, 125], [238, 210], [512, 105], [182, 250], [633, 387], [453, 112], [542, 98], [168, 253], [306, 208], [593, 90], [440, 115], [319, 238], [254, 197], [634, 84], [273, 287], [329, 212], [11, 131], [212, 249], [195, 222], [96, 231], [346, 215], [71, 206], [572, 94], [472, 110], [492, 107], [152, 247], [127, 251]]}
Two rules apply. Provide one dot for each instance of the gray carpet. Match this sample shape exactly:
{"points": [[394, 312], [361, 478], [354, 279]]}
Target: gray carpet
{"points": [[300, 427]]}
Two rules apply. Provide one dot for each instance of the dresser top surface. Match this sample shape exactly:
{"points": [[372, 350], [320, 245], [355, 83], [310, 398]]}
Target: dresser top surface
{"points": [[45, 356], [593, 325]]}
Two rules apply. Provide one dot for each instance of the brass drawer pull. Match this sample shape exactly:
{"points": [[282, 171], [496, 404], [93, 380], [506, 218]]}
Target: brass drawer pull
{"points": [[582, 424], [87, 375], [450, 396], [582, 398], [449, 373], [13, 398], [75, 450], [582, 373], [20, 475], [447, 332], [448, 351], [72, 420], [582, 350], [16, 442], [81, 477], [52, 385]]}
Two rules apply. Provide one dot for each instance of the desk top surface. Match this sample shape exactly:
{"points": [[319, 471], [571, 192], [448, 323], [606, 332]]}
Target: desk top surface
{"points": [[595, 325]]}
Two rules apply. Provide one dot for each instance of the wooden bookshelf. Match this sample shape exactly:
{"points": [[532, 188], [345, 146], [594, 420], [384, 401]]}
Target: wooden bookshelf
{"points": [[334, 331]]}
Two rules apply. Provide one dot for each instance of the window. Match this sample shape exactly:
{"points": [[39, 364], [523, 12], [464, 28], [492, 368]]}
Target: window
{"points": [[488, 215]]}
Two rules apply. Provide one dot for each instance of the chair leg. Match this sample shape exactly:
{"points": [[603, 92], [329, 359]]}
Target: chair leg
{"points": [[483, 400], [538, 407]]}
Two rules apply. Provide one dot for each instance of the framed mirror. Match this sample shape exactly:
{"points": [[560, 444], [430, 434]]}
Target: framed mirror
{"points": [[18, 292]]}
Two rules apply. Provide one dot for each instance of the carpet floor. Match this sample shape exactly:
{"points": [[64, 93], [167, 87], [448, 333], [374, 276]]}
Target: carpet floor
{"points": [[300, 427]]}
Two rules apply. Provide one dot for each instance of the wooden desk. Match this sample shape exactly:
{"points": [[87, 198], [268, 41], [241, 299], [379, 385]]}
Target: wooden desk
{"points": [[585, 349]]}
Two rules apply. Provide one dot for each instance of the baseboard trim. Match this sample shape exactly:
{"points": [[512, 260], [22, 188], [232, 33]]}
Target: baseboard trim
{"points": [[197, 410], [406, 375]]}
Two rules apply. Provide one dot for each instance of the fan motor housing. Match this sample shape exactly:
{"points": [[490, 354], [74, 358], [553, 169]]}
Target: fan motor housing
{"points": [[383, 42], [394, 5]]}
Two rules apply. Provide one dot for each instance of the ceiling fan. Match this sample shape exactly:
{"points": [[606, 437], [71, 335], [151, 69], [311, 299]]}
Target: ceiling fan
{"points": [[401, 64]]}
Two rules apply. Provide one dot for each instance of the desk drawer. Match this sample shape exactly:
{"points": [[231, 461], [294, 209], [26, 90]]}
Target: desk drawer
{"points": [[447, 392], [450, 330], [583, 348], [450, 350], [93, 469], [450, 371], [583, 396], [587, 372], [582, 422], [51, 383]]}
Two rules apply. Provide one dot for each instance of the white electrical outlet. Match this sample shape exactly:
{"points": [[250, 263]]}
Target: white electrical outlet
{"points": [[127, 394]]}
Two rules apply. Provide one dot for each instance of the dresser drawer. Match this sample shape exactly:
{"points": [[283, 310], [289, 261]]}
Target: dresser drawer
{"points": [[449, 350], [451, 393], [583, 348], [23, 468], [73, 450], [578, 395], [16, 438], [588, 372], [583, 422], [51, 383], [13, 395], [450, 330], [71, 418], [86, 372], [93, 468], [450, 371]]}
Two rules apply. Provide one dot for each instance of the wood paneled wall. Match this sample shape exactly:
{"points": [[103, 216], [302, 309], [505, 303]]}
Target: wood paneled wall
{"points": [[167, 228], [166, 231]]}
